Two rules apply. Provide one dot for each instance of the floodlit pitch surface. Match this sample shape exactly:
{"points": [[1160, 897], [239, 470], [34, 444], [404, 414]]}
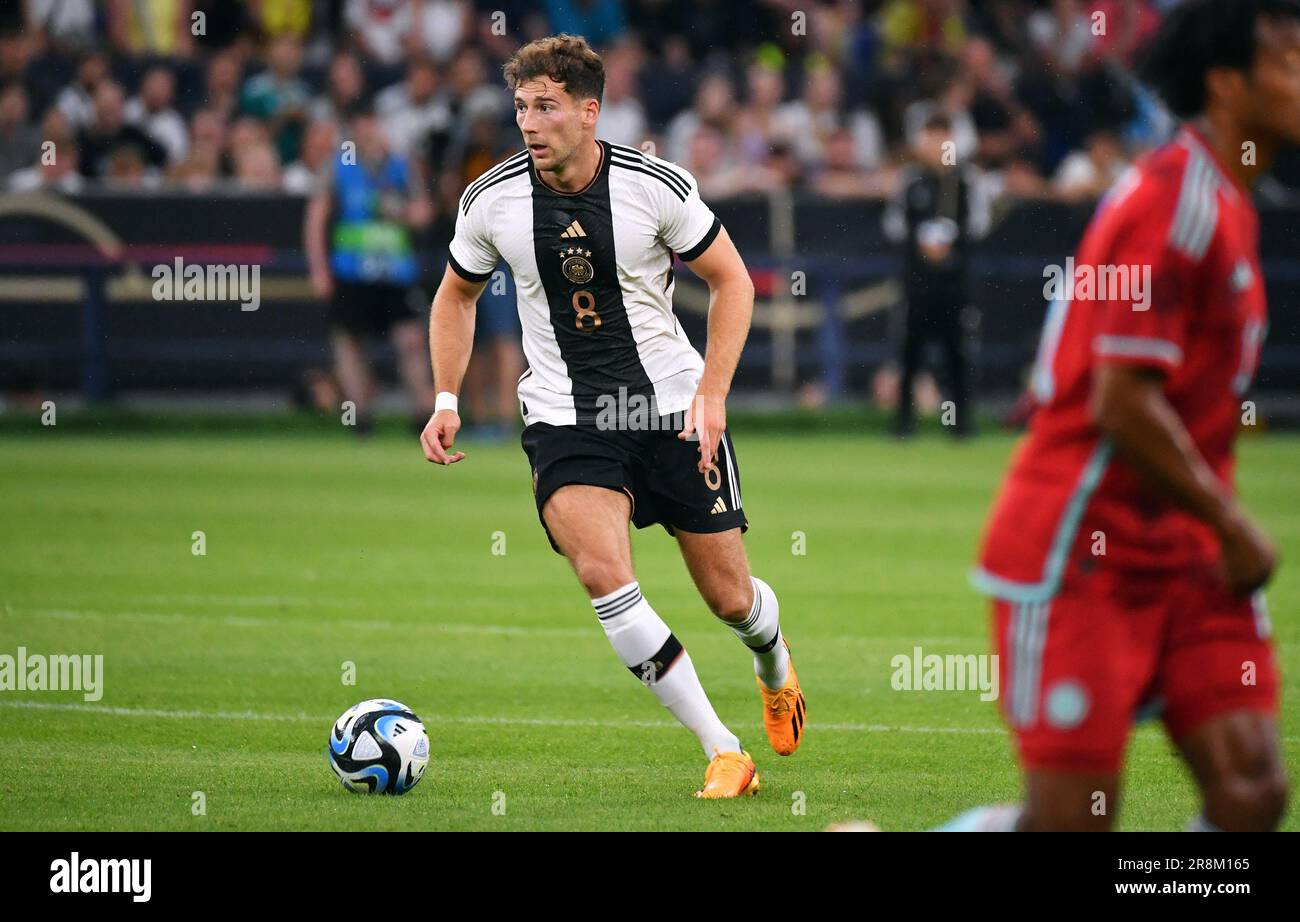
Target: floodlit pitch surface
{"points": [[223, 671]]}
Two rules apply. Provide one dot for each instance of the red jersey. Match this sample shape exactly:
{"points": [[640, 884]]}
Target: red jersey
{"points": [[1167, 276]]}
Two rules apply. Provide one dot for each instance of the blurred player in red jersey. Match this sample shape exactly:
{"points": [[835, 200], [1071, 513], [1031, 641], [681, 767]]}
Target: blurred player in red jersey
{"points": [[1124, 574]]}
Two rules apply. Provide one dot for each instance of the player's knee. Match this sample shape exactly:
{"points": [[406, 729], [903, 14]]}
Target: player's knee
{"points": [[599, 574], [1249, 801], [731, 602]]}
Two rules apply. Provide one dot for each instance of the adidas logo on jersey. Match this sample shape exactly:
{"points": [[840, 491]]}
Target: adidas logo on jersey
{"points": [[719, 506], [574, 230]]}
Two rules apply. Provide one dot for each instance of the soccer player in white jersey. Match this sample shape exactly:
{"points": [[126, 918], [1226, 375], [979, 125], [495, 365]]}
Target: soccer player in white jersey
{"points": [[624, 422]]}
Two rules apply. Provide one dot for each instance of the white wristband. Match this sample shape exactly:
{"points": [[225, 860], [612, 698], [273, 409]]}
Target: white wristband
{"points": [[446, 401]]}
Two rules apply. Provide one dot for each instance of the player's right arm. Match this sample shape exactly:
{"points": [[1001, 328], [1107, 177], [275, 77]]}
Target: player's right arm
{"points": [[451, 339], [471, 258], [1136, 348], [1129, 406]]}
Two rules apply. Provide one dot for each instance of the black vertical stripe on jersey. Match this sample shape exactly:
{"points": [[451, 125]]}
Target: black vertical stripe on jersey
{"points": [[601, 360]]}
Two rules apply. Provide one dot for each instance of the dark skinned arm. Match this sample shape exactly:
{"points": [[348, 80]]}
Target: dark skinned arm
{"points": [[1130, 408]]}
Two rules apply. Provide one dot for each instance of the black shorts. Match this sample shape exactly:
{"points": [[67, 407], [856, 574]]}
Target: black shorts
{"points": [[370, 308], [658, 471]]}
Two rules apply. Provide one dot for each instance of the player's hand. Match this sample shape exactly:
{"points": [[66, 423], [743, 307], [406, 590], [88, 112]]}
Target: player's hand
{"points": [[707, 418], [1249, 555], [439, 435]]}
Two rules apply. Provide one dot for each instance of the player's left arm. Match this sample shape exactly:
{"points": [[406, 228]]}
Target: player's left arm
{"points": [[731, 308]]}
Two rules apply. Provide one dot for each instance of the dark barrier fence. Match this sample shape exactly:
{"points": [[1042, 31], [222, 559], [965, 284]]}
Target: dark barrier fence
{"points": [[77, 308]]}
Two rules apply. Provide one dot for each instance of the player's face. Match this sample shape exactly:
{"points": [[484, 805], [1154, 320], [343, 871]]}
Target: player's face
{"points": [[1274, 93], [553, 123]]}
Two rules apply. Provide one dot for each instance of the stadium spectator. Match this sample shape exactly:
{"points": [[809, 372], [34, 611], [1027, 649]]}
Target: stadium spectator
{"points": [[308, 174], [63, 25], [201, 168], [257, 168], [1002, 123], [20, 142], [809, 122], [125, 169], [756, 128], [622, 118], [1018, 178], [917, 34], [344, 92], [1085, 175], [157, 29], [839, 173], [1063, 36], [233, 25], [222, 83], [714, 106], [441, 26], [275, 18], [200, 171], [77, 100], [716, 172], [279, 96], [382, 30], [953, 105], [472, 95], [151, 111], [413, 109], [59, 173], [108, 132], [478, 125], [666, 86]]}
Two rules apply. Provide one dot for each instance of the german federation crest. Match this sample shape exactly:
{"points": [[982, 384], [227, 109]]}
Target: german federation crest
{"points": [[577, 266]]}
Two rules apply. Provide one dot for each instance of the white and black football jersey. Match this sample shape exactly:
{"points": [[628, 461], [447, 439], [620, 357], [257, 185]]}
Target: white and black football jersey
{"points": [[594, 275]]}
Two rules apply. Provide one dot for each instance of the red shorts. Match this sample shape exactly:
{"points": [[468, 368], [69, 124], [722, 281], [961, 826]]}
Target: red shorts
{"points": [[1077, 671]]}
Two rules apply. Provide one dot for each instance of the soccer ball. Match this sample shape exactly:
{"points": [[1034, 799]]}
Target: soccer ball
{"points": [[378, 747]]}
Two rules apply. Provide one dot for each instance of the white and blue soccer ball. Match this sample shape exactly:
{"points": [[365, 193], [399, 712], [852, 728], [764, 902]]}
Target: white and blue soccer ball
{"points": [[379, 747]]}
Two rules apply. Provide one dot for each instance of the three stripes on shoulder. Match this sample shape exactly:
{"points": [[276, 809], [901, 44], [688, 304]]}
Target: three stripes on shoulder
{"points": [[632, 159], [628, 158]]}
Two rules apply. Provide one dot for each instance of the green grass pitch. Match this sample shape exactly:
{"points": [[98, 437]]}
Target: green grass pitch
{"points": [[223, 672]]}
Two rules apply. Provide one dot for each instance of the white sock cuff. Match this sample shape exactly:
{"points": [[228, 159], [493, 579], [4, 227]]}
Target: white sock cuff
{"points": [[765, 607], [620, 600]]}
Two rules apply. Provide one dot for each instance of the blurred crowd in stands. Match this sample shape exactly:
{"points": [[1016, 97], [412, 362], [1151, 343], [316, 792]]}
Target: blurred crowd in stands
{"points": [[752, 96]]}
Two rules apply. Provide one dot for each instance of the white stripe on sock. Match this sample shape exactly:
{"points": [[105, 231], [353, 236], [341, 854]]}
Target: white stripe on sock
{"points": [[637, 634], [762, 627]]}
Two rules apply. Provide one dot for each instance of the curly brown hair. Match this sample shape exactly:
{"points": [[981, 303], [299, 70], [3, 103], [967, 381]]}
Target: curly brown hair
{"points": [[566, 59]]}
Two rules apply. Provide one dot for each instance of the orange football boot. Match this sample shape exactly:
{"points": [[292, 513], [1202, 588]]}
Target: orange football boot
{"points": [[730, 774], [784, 712]]}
